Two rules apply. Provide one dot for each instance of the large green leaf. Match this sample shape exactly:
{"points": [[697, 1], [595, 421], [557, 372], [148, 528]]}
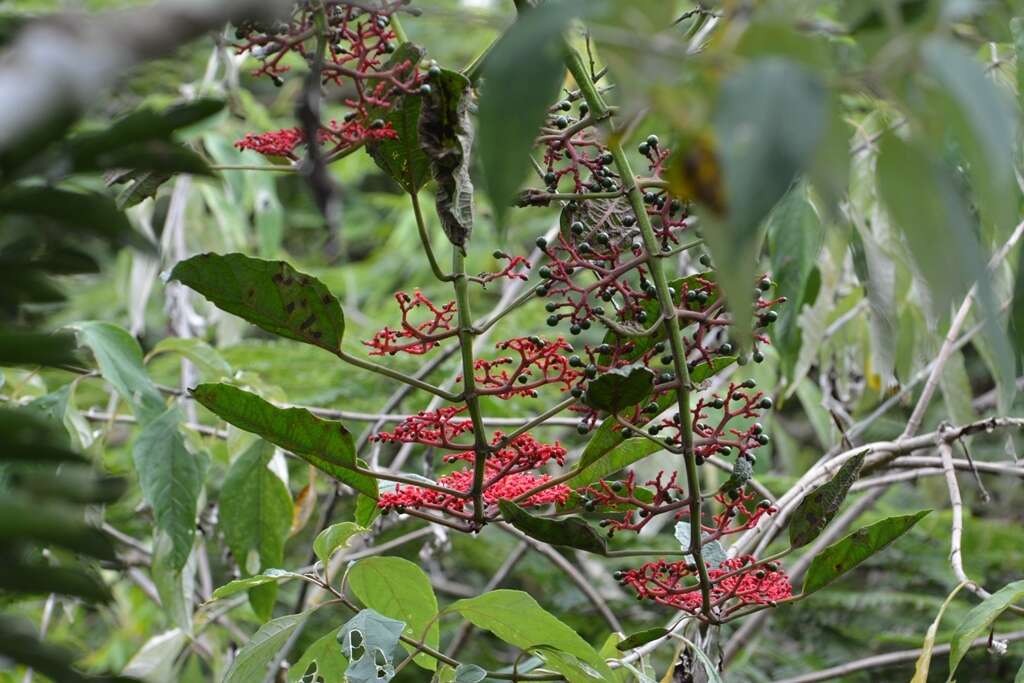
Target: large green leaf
{"points": [[171, 478], [120, 360], [818, 508], [769, 120], [400, 590], [847, 553], [571, 532], [251, 662], [269, 294], [516, 618], [982, 119], [924, 200], [401, 157], [521, 78], [325, 444], [620, 388], [255, 516], [979, 619]]}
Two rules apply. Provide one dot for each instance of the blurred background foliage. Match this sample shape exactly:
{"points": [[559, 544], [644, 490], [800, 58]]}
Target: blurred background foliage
{"points": [[858, 329]]}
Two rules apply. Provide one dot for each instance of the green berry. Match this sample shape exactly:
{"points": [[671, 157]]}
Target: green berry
{"points": [[553, 320], [652, 140], [425, 89], [544, 272], [644, 148]]}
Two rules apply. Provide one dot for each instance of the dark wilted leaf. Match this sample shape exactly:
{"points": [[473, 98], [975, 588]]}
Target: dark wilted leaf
{"points": [[818, 508], [446, 138], [570, 532]]}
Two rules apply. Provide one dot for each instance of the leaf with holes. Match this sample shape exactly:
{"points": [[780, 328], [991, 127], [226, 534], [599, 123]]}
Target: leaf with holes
{"points": [[269, 294], [322, 662], [818, 508], [325, 444], [369, 641]]}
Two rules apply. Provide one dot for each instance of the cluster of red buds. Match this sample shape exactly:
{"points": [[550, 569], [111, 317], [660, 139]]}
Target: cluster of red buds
{"points": [[735, 582], [538, 363], [360, 56], [435, 428], [415, 338], [507, 476]]}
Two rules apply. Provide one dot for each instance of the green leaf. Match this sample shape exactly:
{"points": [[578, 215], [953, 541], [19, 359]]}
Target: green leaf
{"points": [[204, 356], [400, 590], [18, 575], [613, 460], [373, 637], [334, 538], [366, 510], [516, 618], [641, 638], [120, 360], [322, 660], [769, 120], [325, 444], [19, 642], [23, 520], [522, 75], [155, 660], [620, 388], [31, 348], [570, 532], [446, 138], [250, 582], [401, 157], [251, 662], [706, 370], [742, 472], [847, 553], [30, 437], [979, 619], [924, 199], [171, 479], [77, 211], [818, 508], [971, 106], [255, 517], [924, 660], [269, 294], [160, 156]]}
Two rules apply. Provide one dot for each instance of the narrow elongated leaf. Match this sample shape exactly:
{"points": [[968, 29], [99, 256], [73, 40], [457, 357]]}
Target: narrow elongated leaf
{"points": [[924, 660], [34, 578], [400, 590], [522, 74], [250, 582], [171, 479], [251, 662], [18, 347], [516, 618], [979, 619], [570, 532], [269, 294], [769, 120], [818, 508], [334, 538], [120, 360], [20, 520], [848, 552], [155, 661], [324, 444], [255, 516], [207, 358], [446, 138], [619, 457], [641, 638]]}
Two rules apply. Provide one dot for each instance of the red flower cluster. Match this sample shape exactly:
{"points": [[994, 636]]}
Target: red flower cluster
{"points": [[736, 582], [506, 478], [359, 54], [539, 363], [424, 336], [282, 143], [430, 428]]}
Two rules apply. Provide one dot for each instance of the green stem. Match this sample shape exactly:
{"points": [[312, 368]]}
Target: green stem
{"points": [[675, 338], [466, 334], [421, 227]]}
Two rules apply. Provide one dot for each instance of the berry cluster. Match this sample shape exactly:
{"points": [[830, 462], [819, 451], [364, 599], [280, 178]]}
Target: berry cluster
{"points": [[360, 56], [507, 476], [735, 582]]}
